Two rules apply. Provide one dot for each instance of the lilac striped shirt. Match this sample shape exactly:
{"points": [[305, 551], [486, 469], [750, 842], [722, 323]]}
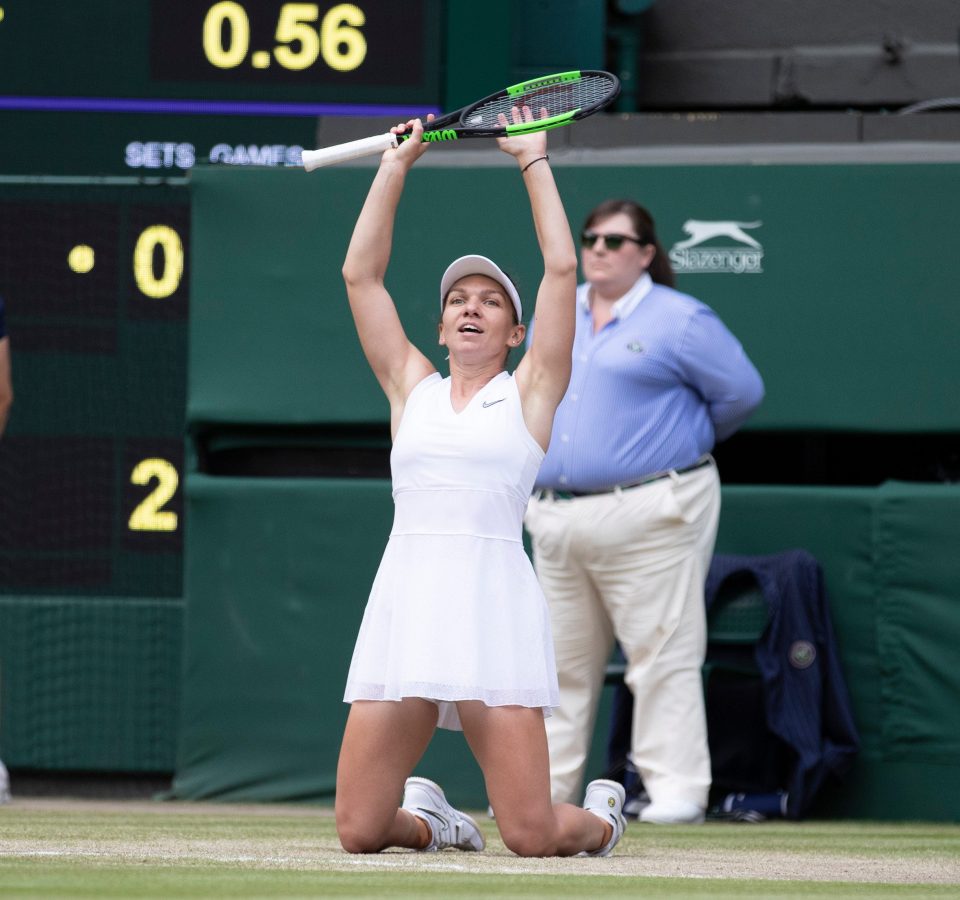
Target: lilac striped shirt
{"points": [[654, 390]]}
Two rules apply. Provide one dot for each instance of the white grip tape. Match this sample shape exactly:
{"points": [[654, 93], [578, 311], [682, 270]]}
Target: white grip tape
{"points": [[328, 156]]}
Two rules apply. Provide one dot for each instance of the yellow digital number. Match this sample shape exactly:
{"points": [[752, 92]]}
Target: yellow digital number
{"points": [[342, 45], [293, 25], [169, 241], [234, 53], [150, 514]]}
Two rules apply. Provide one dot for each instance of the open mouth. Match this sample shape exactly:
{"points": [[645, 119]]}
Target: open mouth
{"points": [[469, 329]]}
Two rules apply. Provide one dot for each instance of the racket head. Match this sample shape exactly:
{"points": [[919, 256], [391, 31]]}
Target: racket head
{"points": [[566, 96]]}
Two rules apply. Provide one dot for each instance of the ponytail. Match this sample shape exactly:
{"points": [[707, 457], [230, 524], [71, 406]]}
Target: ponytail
{"points": [[660, 269]]}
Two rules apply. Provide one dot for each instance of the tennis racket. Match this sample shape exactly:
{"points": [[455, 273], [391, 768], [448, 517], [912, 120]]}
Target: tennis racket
{"points": [[566, 96]]}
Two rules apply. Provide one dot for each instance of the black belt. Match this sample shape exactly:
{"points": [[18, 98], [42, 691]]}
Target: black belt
{"points": [[569, 495]]}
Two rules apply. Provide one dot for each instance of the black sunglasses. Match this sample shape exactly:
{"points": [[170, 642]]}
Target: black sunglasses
{"points": [[611, 241]]}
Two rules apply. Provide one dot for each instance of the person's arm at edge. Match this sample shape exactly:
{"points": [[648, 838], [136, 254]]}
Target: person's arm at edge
{"points": [[6, 383]]}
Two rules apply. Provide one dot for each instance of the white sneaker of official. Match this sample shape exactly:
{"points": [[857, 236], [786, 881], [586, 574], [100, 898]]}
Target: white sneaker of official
{"points": [[672, 812]]}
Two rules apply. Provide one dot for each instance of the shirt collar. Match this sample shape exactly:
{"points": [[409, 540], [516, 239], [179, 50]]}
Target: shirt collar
{"points": [[628, 302]]}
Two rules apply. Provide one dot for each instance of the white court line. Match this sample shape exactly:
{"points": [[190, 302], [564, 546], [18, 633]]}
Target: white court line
{"points": [[413, 864], [382, 863]]}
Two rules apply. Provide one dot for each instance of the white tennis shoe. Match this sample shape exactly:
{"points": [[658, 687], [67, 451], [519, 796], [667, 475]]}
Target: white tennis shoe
{"points": [[605, 800], [448, 826]]}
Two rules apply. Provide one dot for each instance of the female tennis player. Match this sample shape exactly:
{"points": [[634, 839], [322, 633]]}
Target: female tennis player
{"points": [[456, 632]]}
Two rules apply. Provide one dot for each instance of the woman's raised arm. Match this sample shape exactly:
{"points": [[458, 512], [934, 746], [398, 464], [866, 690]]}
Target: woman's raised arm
{"points": [[544, 372], [396, 363]]}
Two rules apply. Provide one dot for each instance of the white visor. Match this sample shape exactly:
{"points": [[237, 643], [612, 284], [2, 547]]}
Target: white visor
{"points": [[478, 265]]}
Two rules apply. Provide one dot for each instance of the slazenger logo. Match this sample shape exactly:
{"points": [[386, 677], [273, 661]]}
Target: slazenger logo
{"points": [[745, 258]]}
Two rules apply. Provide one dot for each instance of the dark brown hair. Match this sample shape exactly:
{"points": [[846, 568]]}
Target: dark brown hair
{"points": [[660, 269]]}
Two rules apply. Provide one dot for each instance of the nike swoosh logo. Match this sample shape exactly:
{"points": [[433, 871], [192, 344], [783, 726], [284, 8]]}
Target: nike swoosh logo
{"points": [[487, 403]]}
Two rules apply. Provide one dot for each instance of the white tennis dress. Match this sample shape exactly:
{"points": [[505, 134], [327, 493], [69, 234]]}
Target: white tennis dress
{"points": [[456, 611]]}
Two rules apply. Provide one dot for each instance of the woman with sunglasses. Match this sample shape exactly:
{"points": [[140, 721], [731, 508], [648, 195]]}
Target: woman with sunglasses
{"points": [[625, 514]]}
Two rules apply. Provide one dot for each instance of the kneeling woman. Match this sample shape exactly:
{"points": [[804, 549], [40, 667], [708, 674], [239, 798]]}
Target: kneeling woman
{"points": [[456, 632]]}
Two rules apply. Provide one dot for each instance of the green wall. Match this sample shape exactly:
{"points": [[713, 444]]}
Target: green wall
{"points": [[852, 321]]}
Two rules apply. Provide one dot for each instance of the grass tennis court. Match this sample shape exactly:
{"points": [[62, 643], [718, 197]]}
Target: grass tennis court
{"points": [[79, 848]]}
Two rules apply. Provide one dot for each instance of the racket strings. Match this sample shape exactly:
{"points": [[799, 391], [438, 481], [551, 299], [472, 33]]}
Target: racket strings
{"points": [[586, 92]]}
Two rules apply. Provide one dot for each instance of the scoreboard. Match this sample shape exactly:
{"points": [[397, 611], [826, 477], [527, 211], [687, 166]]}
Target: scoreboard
{"points": [[253, 56], [359, 50], [131, 86], [95, 280]]}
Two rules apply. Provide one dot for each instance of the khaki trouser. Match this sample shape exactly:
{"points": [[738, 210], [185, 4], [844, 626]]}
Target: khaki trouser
{"points": [[631, 565]]}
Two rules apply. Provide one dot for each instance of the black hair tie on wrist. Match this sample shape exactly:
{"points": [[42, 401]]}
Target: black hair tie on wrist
{"points": [[532, 161]]}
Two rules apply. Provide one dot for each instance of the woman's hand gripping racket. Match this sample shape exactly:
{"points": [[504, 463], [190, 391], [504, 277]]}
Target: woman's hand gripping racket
{"points": [[567, 97]]}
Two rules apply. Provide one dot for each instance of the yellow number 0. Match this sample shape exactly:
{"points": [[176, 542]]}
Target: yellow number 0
{"points": [[149, 514], [226, 57], [169, 281]]}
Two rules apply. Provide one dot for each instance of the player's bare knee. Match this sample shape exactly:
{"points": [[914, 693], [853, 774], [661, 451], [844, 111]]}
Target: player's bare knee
{"points": [[528, 840], [356, 841], [531, 845], [356, 834]]}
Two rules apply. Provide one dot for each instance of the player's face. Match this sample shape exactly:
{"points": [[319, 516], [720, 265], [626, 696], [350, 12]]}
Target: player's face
{"points": [[478, 317], [620, 268]]}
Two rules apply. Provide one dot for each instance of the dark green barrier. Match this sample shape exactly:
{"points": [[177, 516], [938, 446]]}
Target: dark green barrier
{"points": [[277, 576], [891, 572]]}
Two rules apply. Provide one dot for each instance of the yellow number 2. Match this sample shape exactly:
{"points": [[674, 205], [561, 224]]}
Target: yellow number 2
{"points": [[149, 514]]}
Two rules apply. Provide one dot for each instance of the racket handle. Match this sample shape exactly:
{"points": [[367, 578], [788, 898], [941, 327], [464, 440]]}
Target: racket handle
{"points": [[328, 156]]}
